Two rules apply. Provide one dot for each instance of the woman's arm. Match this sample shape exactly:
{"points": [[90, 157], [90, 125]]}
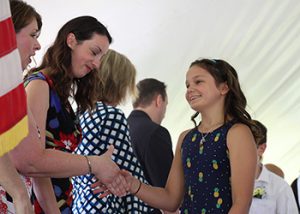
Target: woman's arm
{"points": [[44, 193], [11, 182], [170, 197], [32, 159], [38, 102], [243, 160]]}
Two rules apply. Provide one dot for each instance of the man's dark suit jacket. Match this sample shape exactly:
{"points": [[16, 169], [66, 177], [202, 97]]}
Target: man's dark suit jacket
{"points": [[296, 193], [152, 145]]}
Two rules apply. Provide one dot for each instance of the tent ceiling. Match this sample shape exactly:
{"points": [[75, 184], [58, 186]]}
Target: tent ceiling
{"points": [[261, 39]]}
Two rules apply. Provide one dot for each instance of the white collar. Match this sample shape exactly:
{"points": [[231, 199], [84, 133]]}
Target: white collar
{"points": [[264, 175]]}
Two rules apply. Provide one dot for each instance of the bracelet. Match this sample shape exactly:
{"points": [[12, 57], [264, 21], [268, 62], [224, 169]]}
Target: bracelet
{"points": [[89, 164], [140, 185]]}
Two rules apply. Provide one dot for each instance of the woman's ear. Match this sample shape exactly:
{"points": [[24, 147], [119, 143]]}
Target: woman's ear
{"points": [[71, 40]]}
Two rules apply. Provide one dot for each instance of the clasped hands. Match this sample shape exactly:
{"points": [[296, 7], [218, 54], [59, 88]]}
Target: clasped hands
{"points": [[109, 178], [123, 184]]}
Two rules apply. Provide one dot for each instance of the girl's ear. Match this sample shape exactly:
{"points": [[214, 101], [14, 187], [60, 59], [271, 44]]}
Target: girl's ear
{"points": [[223, 88], [71, 41]]}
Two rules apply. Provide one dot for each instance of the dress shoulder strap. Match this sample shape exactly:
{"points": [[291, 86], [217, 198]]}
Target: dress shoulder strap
{"points": [[37, 76]]}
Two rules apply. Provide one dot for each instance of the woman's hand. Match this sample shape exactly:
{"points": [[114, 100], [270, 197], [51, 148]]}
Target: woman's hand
{"points": [[108, 174]]}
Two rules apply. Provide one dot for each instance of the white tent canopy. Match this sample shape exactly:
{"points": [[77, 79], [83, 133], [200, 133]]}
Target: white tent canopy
{"points": [[261, 39]]}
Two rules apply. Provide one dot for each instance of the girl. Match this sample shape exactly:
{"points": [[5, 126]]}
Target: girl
{"points": [[214, 166]]}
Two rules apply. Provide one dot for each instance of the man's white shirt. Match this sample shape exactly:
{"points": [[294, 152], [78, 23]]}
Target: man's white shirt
{"points": [[278, 197]]}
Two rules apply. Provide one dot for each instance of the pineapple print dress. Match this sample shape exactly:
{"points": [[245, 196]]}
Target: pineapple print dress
{"points": [[206, 171]]}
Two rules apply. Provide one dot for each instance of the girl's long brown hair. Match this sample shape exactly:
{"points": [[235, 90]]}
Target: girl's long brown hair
{"points": [[235, 101]]}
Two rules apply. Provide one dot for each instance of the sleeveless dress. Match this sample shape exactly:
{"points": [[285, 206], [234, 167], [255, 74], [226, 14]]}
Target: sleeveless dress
{"points": [[62, 133], [206, 172]]}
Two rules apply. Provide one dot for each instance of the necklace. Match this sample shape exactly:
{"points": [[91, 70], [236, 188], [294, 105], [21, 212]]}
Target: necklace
{"points": [[203, 137], [203, 140]]}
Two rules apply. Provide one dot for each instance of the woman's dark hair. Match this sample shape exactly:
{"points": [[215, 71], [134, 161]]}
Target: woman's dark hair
{"points": [[22, 15], [57, 61], [235, 101]]}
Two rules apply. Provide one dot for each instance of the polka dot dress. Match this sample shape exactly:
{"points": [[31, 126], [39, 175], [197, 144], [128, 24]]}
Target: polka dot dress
{"points": [[206, 168]]}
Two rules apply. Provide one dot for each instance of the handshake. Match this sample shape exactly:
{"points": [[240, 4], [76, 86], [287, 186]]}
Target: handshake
{"points": [[110, 179]]}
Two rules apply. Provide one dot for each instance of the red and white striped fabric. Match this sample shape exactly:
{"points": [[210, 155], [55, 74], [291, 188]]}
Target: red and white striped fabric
{"points": [[13, 113]]}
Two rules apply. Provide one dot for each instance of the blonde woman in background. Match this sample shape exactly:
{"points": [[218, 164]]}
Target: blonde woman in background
{"points": [[104, 126]]}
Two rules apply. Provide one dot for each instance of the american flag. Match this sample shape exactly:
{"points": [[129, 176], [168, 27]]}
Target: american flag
{"points": [[13, 112]]}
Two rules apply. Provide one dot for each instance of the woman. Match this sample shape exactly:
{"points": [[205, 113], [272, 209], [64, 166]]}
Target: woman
{"points": [[66, 71], [30, 156], [104, 126], [11, 182]]}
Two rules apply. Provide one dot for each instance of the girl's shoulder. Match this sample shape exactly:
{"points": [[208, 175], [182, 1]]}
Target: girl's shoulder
{"points": [[238, 127], [184, 134], [187, 132], [239, 132]]}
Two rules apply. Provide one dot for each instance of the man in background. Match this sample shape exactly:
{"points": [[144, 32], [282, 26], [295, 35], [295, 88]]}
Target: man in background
{"points": [[151, 141], [271, 194]]}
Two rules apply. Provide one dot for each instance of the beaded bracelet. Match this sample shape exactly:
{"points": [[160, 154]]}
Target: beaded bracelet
{"points": [[140, 185], [89, 164]]}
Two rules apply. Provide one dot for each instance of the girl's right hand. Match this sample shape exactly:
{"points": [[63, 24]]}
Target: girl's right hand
{"points": [[101, 189]]}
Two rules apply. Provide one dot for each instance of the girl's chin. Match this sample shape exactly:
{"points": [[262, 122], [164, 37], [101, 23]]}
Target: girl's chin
{"points": [[195, 107]]}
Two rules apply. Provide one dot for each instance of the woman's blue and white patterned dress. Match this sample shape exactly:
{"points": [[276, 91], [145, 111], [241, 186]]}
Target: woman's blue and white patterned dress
{"points": [[104, 126]]}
